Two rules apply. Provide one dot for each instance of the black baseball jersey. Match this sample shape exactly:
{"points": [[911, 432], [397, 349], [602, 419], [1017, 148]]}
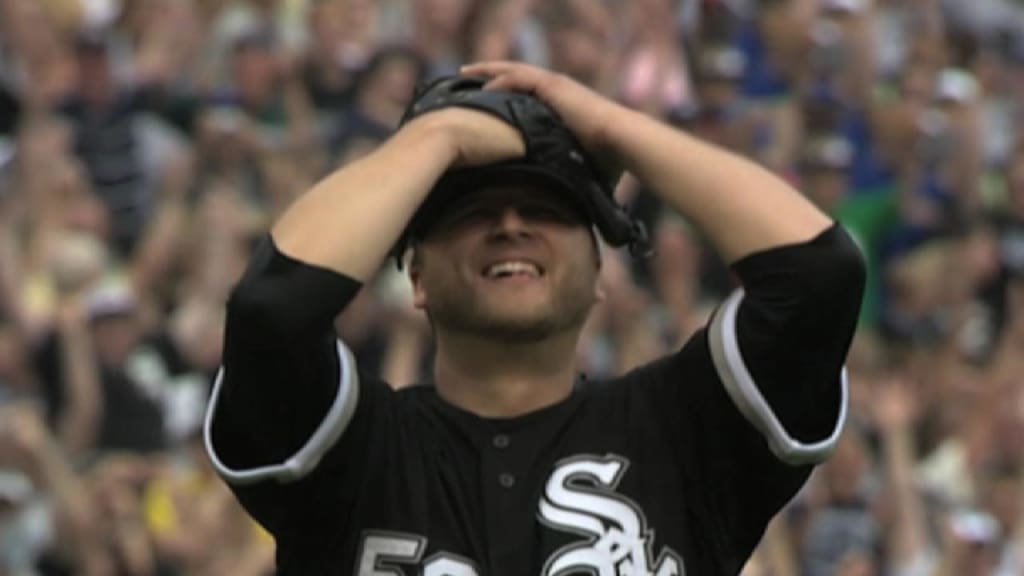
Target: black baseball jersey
{"points": [[672, 469]]}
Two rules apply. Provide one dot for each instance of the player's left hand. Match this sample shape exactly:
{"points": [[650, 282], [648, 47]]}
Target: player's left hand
{"points": [[587, 113]]}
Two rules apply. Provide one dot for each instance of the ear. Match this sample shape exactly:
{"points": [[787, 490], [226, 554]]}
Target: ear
{"points": [[599, 292], [419, 297]]}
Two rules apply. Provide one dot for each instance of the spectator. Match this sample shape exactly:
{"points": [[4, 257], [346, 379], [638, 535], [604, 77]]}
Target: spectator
{"points": [[382, 90], [841, 529], [341, 44], [104, 116]]}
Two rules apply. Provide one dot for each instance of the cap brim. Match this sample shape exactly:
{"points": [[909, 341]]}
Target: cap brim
{"points": [[454, 186]]}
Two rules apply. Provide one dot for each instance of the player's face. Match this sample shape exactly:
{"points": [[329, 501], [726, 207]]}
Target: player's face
{"points": [[510, 263]]}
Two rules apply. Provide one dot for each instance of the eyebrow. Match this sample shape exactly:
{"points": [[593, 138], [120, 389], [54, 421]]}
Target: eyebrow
{"points": [[532, 196], [558, 206]]}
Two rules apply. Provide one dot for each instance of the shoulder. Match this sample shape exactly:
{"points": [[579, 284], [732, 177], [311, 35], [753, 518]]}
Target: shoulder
{"points": [[692, 361], [687, 373]]}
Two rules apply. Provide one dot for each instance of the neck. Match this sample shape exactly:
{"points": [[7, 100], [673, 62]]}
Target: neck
{"points": [[502, 379]]}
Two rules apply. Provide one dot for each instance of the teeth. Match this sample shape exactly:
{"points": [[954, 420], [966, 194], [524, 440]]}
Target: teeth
{"points": [[512, 267]]}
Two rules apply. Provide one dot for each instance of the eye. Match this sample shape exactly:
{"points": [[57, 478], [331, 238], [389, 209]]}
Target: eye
{"points": [[548, 212], [464, 215], [540, 212]]}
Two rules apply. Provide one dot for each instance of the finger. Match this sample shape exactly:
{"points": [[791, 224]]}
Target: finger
{"points": [[489, 68], [504, 82], [508, 76], [515, 81]]}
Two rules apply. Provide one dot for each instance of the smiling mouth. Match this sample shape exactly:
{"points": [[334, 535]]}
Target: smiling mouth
{"points": [[512, 269]]}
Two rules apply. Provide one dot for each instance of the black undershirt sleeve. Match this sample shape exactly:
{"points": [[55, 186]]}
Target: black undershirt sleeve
{"points": [[280, 361], [795, 325]]}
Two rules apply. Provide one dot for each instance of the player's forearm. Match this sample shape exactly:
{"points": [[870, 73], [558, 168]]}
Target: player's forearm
{"points": [[742, 207], [349, 221]]}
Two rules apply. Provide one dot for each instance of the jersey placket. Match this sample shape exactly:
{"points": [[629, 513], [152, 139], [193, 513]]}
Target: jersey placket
{"points": [[504, 477]]}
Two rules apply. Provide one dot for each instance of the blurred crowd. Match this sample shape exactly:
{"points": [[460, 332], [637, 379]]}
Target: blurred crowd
{"points": [[146, 145]]}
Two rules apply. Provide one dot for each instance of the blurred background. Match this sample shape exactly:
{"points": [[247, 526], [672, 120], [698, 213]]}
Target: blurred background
{"points": [[146, 145]]}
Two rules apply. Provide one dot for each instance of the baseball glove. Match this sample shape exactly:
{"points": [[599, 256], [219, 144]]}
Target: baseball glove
{"points": [[554, 160]]}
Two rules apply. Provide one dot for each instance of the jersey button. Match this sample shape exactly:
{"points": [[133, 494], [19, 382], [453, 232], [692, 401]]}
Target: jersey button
{"points": [[500, 441], [507, 480]]}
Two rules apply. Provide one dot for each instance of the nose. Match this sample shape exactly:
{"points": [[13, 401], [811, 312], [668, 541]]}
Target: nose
{"points": [[510, 222]]}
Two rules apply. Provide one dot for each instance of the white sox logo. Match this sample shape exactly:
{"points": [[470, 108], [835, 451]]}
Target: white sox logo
{"points": [[580, 497]]}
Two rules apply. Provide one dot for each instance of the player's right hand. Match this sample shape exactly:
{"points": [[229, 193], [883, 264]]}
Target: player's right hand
{"points": [[475, 138]]}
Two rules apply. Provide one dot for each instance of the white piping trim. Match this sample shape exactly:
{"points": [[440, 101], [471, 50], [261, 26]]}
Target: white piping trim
{"points": [[308, 457], [728, 360]]}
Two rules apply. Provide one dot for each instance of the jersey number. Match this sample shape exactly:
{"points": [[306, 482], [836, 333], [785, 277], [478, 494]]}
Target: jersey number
{"points": [[384, 553]]}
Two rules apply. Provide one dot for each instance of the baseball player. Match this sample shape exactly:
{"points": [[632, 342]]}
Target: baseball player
{"points": [[509, 462]]}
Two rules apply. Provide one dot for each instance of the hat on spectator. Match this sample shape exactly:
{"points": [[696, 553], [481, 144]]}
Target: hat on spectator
{"points": [[721, 63], [100, 14], [956, 86], [828, 151], [112, 297], [843, 6]]}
